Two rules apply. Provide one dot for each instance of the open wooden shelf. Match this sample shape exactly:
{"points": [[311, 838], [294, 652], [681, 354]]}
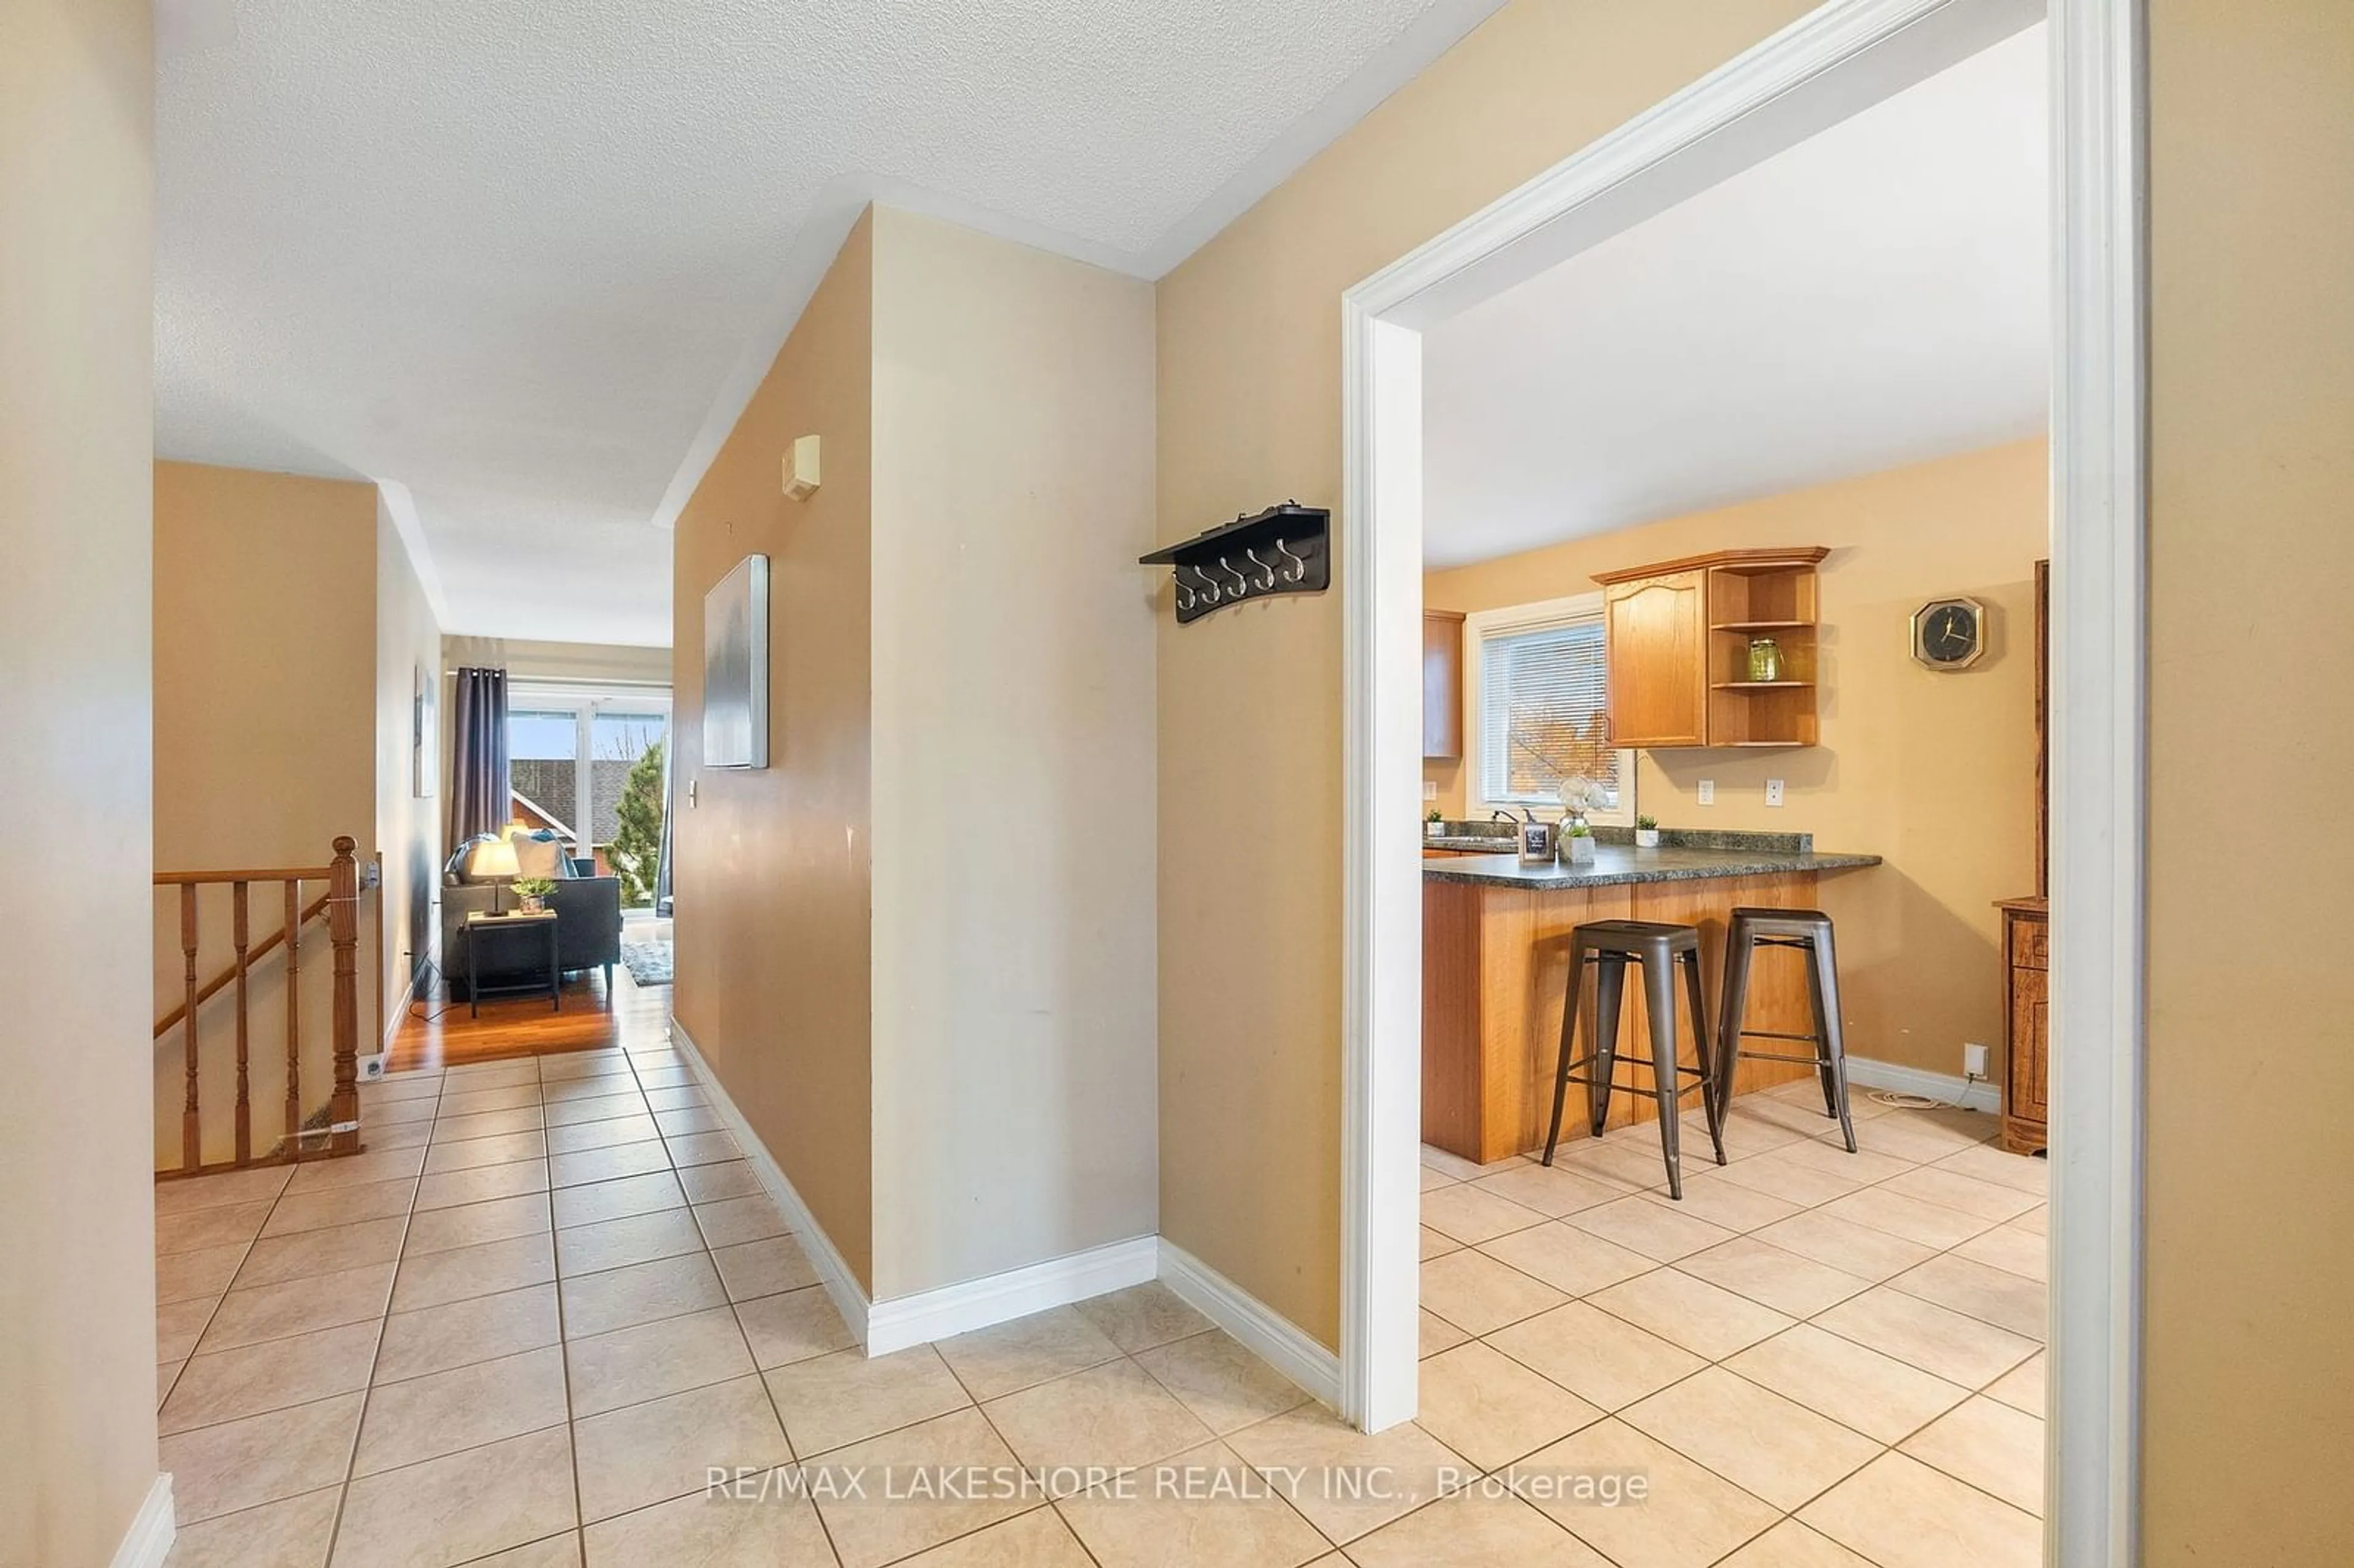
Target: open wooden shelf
{"points": [[1679, 635], [1770, 595]]}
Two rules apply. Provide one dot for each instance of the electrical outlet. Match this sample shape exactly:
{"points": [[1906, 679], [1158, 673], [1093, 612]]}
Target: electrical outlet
{"points": [[1974, 1060], [1705, 792], [371, 1068], [1773, 791], [1429, 790]]}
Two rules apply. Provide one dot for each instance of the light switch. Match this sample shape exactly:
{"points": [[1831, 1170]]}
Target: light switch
{"points": [[1429, 790], [1706, 792], [1773, 791]]}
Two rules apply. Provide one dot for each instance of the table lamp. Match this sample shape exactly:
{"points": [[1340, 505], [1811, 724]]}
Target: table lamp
{"points": [[496, 861]]}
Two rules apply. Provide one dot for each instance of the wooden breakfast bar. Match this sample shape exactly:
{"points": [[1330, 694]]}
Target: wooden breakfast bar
{"points": [[1495, 945]]}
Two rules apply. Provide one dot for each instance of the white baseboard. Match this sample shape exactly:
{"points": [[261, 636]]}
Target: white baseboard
{"points": [[1276, 1340], [929, 1315], [396, 1013], [149, 1540], [833, 1270], [1944, 1087], [882, 1327]]}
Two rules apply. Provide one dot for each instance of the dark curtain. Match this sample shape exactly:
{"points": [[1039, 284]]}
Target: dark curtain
{"points": [[478, 761]]}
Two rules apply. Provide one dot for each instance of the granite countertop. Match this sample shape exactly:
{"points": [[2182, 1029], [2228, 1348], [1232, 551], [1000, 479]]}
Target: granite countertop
{"points": [[1615, 864]]}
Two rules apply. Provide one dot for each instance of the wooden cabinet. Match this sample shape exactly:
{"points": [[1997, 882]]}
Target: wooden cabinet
{"points": [[2027, 1023], [1656, 631], [1679, 635], [2027, 932], [1494, 976], [1442, 684]]}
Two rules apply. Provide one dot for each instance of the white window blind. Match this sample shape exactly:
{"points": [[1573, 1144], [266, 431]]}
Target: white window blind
{"points": [[1542, 693]]}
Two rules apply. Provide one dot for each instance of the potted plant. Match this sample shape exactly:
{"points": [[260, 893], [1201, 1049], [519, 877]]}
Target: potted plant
{"points": [[1646, 833], [1577, 844], [533, 892], [1434, 825]]}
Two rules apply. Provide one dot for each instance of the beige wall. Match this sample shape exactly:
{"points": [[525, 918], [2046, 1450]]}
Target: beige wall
{"points": [[1013, 838], [1250, 710], [2250, 1196], [772, 873], [408, 830], [918, 946], [77, 1207], [266, 745], [265, 665], [1934, 771]]}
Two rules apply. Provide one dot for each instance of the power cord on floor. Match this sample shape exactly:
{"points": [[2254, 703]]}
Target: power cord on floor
{"points": [[430, 980], [1898, 1099]]}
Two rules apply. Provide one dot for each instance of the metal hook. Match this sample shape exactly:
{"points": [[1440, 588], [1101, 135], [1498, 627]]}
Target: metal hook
{"points": [[1242, 583], [1298, 568], [1211, 590], [1185, 595], [1267, 581]]}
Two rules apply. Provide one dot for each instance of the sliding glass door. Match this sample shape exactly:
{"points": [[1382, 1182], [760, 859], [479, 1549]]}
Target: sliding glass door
{"points": [[587, 765]]}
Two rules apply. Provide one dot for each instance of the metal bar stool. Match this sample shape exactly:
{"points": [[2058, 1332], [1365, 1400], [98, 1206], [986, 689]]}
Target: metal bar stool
{"points": [[1658, 948], [1809, 931]]}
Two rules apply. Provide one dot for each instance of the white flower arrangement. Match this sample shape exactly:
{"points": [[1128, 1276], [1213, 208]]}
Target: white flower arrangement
{"points": [[1581, 796]]}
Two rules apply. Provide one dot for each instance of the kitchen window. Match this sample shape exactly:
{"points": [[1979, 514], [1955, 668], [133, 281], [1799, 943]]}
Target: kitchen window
{"points": [[1537, 705]]}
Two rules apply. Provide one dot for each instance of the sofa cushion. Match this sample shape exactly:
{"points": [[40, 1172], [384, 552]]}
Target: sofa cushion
{"points": [[537, 856]]}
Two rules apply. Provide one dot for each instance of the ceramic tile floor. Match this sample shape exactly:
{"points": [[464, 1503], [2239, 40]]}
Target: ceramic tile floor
{"points": [[519, 1332], [1820, 1360]]}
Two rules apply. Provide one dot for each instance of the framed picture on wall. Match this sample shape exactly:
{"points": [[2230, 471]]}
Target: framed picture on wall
{"points": [[736, 667], [425, 733]]}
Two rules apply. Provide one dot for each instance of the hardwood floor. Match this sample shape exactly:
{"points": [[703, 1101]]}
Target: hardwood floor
{"points": [[438, 1033]]}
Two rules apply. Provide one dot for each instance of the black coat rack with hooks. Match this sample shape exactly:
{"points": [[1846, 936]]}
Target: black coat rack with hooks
{"points": [[1284, 550]]}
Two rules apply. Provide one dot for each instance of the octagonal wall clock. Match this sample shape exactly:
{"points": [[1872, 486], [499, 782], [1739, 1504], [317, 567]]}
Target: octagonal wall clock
{"points": [[1949, 633]]}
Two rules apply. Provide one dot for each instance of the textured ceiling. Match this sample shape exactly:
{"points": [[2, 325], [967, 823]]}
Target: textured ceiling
{"points": [[527, 258], [1876, 295]]}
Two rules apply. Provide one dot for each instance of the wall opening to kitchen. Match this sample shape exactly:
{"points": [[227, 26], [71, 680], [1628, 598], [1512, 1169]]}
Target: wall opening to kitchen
{"points": [[1989, 646]]}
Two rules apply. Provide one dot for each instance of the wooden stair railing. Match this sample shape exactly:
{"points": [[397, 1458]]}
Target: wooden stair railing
{"points": [[341, 904], [237, 971]]}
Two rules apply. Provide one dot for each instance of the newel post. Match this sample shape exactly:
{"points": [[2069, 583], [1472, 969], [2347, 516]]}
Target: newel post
{"points": [[343, 933]]}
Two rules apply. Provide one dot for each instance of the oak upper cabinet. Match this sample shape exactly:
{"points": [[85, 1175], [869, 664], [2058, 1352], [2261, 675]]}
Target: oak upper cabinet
{"points": [[1442, 684], [1679, 636], [1656, 631]]}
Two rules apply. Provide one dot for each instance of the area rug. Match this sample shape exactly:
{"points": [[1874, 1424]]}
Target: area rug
{"points": [[648, 962]]}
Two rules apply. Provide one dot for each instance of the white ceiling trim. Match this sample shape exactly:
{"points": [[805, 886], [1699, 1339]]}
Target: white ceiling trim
{"points": [[830, 218], [401, 508], [531, 262], [1406, 57], [1874, 296]]}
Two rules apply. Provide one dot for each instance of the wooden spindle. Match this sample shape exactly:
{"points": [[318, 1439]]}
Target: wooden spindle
{"points": [[192, 1134], [237, 900], [343, 933], [293, 1017]]}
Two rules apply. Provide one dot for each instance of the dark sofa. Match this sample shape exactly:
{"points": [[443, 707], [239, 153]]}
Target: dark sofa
{"points": [[587, 925]]}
